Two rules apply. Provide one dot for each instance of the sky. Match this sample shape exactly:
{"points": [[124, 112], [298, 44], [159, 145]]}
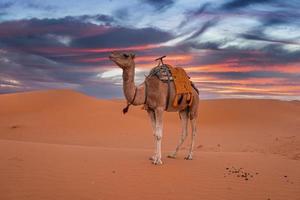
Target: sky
{"points": [[229, 48]]}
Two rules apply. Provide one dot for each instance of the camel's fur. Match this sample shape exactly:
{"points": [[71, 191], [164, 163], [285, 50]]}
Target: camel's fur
{"points": [[156, 103]]}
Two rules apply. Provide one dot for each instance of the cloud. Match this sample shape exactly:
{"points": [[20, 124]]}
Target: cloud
{"points": [[122, 37], [122, 14], [203, 28], [35, 72], [5, 5], [160, 4], [74, 40], [225, 52], [35, 32], [2, 14], [236, 4], [191, 15], [212, 54], [104, 18], [33, 5], [71, 26], [266, 39], [103, 90], [100, 18], [49, 53]]}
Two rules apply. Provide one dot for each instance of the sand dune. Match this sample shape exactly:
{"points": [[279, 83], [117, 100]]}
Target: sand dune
{"points": [[60, 144]]}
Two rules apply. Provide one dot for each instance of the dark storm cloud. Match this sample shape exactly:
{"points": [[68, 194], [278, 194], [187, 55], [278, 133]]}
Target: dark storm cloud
{"points": [[281, 17], [265, 39], [160, 4], [34, 31], [122, 37], [235, 4], [28, 42], [63, 26]]}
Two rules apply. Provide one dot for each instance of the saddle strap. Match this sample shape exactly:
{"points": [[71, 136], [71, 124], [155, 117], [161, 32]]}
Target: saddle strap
{"points": [[146, 91], [169, 90]]}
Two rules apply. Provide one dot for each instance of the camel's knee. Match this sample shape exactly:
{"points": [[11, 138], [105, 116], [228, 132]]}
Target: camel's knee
{"points": [[194, 133], [157, 137], [158, 133]]}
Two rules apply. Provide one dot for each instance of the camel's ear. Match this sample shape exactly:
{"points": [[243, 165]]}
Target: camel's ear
{"points": [[132, 55]]}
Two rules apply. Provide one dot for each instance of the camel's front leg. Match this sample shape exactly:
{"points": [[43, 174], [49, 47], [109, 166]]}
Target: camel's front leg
{"points": [[194, 130], [158, 134], [151, 114], [184, 125]]}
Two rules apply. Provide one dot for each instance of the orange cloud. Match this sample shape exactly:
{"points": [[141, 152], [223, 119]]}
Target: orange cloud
{"points": [[257, 81], [255, 86], [235, 68], [271, 90]]}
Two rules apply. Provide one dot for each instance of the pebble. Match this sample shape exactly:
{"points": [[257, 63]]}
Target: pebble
{"points": [[240, 173]]}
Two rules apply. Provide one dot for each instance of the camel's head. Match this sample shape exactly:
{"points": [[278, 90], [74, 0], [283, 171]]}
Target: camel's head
{"points": [[122, 59]]}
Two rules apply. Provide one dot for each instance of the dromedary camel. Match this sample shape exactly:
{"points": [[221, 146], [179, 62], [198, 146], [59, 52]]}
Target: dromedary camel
{"points": [[152, 93]]}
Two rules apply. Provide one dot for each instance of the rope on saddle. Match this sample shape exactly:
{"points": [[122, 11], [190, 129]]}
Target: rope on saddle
{"points": [[169, 90], [146, 92], [125, 110]]}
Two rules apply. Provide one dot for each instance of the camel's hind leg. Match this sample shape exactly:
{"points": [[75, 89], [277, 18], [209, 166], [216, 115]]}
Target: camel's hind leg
{"points": [[194, 131], [184, 124]]}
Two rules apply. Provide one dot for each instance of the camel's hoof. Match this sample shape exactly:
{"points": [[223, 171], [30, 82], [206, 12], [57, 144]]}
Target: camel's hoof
{"points": [[152, 158], [157, 162], [173, 156], [189, 157]]}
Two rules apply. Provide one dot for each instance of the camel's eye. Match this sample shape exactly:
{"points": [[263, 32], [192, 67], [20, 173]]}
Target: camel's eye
{"points": [[125, 55]]}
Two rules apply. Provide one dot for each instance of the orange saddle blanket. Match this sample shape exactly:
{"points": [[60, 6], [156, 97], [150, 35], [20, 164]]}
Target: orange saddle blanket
{"points": [[182, 85]]}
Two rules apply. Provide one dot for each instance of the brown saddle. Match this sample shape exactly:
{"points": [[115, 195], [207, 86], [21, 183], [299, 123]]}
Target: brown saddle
{"points": [[183, 86]]}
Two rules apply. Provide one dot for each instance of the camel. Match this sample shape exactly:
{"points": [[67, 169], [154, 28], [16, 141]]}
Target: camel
{"points": [[152, 93]]}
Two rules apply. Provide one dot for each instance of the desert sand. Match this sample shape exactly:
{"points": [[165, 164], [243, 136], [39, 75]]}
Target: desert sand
{"points": [[61, 144]]}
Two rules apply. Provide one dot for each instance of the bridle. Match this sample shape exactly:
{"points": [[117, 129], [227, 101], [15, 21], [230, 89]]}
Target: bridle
{"points": [[125, 110]]}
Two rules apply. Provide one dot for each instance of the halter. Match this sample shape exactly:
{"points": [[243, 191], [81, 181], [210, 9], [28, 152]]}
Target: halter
{"points": [[125, 110]]}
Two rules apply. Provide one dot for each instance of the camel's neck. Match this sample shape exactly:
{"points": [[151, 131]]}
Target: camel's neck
{"points": [[129, 87], [128, 83]]}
